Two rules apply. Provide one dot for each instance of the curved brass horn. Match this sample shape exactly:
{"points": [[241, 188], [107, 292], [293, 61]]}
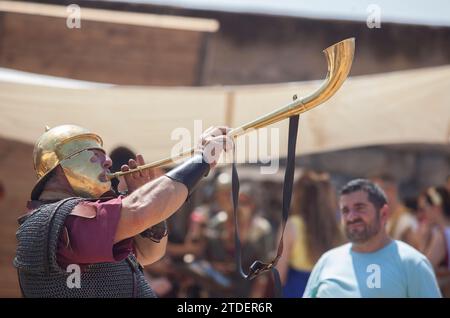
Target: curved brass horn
{"points": [[339, 58]]}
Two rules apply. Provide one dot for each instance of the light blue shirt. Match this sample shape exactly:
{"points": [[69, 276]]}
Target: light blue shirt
{"points": [[396, 270]]}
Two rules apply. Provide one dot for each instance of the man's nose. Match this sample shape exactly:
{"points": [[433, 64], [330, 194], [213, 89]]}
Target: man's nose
{"points": [[107, 163], [352, 215]]}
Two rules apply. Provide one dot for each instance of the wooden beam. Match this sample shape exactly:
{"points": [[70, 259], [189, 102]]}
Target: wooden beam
{"points": [[99, 15]]}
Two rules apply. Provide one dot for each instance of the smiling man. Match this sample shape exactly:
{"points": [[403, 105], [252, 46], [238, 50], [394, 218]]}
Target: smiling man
{"points": [[78, 238], [372, 264]]}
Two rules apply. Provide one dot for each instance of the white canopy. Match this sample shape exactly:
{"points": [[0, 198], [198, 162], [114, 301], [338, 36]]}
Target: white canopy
{"points": [[401, 107]]}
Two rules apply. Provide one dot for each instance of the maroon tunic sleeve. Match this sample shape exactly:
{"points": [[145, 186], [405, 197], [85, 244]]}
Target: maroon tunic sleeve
{"points": [[90, 239]]}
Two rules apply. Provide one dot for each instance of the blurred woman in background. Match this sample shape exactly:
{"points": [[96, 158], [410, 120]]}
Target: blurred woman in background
{"points": [[435, 226], [311, 230], [434, 231]]}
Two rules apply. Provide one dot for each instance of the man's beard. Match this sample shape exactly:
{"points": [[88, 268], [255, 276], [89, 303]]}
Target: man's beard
{"points": [[362, 233]]}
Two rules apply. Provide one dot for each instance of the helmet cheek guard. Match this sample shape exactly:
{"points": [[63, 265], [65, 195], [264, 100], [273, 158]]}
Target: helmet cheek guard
{"points": [[86, 178]]}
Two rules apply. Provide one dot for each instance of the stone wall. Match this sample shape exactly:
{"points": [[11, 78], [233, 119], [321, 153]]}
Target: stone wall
{"points": [[250, 49]]}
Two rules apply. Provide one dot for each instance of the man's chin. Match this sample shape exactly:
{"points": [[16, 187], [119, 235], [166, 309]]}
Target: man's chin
{"points": [[356, 237]]}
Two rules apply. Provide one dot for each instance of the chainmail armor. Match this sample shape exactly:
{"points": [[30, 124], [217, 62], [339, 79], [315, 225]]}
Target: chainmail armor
{"points": [[41, 276]]}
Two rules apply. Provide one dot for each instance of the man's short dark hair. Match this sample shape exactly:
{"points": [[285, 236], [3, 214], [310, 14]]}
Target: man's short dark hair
{"points": [[119, 157], [375, 195]]}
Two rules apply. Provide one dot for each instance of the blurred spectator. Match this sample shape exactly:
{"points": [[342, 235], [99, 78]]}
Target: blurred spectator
{"points": [[194, 242], [255, 233], [183, 254], [401, 224], [190, 270], [222, 195], [434, 204], [311, 230]]}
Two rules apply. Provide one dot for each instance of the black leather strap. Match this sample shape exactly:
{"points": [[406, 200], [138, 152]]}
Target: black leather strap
{"points": [[190, 172], [156, 232], [259, 267]]}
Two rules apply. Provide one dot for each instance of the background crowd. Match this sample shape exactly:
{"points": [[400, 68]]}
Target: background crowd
{"points": [[201, 255]]}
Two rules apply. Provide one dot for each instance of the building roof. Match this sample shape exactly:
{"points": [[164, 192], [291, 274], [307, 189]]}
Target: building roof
{"points": [[432, 12]]}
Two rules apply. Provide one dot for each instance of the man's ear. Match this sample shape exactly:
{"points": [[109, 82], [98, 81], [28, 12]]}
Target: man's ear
{"points": [[384, 213]]}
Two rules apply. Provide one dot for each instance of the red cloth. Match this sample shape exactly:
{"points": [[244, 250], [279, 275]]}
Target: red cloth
{"points": [[89, 240]]}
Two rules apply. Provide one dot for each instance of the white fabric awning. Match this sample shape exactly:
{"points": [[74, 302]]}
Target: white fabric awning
{"points": [[402, 107]]}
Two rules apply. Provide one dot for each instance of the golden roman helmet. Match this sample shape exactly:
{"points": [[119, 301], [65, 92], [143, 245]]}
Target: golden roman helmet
{"points": [[71, 147]]}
